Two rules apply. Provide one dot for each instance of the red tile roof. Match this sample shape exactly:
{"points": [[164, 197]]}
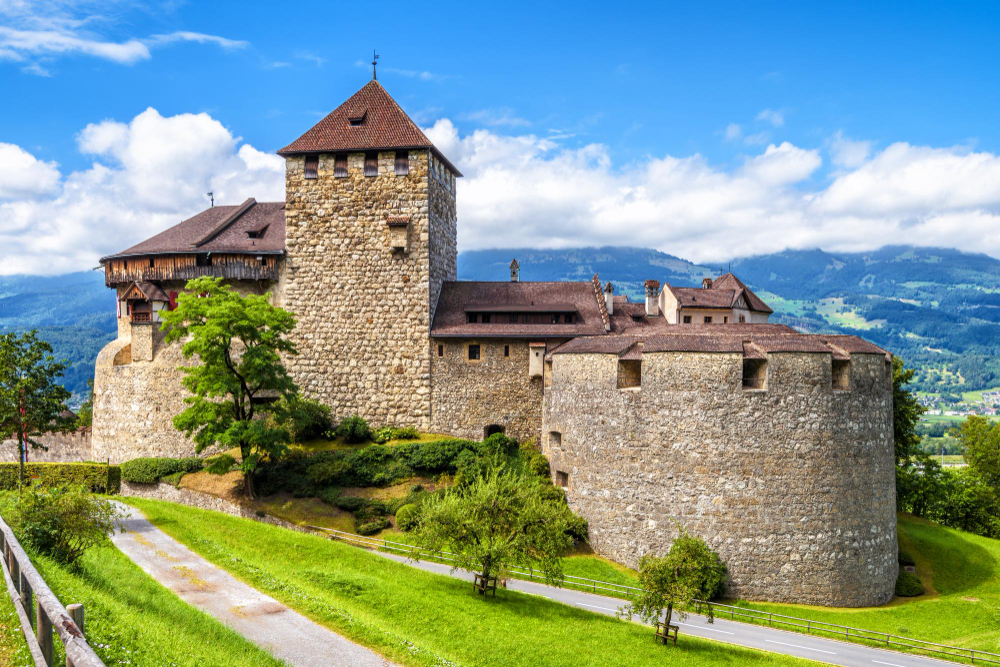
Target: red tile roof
{"points": [[723, 293], [220, 229], [384, 126]]}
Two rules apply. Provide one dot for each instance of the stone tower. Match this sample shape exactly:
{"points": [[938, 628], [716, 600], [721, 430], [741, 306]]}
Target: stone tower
{"points": [[371, 231]]}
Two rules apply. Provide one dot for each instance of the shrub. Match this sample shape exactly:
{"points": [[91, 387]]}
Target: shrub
{"points": [[63, 522], [261, 513], [174, 478], [221, 464], [373, 527], [97, 477], [908, 585], [706, 569], [148, 470], [405, 433], [382, 435], [326, 468], [354, 429], [309, 419], [578, 528], [905, 558], [407, 517], [350, 503]]}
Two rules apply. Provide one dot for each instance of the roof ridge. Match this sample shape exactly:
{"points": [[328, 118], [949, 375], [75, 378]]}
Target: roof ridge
{"points": [[230, 219]]}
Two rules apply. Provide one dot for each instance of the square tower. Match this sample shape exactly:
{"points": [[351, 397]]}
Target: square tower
{"points": [[371, 235]]}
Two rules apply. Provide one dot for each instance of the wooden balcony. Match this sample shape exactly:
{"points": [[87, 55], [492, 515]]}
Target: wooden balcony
{"points": [[186, 267]]}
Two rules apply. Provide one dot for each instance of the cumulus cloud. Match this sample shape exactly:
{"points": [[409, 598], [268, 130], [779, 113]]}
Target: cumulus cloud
{"points": [[849, 153], [24, 176], [147, 175]]}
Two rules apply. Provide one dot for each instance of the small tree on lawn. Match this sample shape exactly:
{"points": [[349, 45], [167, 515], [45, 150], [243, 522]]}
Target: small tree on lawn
{"points": [[690, 571], [237, 385], [31, 400], [496, 521]]}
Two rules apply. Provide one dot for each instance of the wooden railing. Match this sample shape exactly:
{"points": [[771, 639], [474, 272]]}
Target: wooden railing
{"points": [[32, 597]]}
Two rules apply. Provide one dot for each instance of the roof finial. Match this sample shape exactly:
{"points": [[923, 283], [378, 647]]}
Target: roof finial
{"points": [[374, 62]]}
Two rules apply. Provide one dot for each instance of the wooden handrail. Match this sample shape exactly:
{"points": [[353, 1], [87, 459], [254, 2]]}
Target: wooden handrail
{"points": [[51, 614]]}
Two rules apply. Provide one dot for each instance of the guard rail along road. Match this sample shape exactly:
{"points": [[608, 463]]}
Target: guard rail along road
{"points": [[23, 584], [744, 614]]}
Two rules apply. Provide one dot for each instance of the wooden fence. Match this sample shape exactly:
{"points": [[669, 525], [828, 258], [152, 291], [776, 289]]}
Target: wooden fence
{"points": [[32, 597]]}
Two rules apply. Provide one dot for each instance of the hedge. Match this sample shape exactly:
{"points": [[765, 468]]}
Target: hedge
{"points": [[908, 585], [148, 470], [98, 477]]}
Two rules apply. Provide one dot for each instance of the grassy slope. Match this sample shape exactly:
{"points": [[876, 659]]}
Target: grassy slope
{"points": [[13, 648], [964, 611], [416, 617]]}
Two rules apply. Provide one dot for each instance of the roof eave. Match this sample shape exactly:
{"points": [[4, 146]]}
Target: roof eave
{"points": [[287, 151], [193, 251]]}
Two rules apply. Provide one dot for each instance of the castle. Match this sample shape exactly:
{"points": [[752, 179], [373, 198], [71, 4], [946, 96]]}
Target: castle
{"points": [[773, 445]]}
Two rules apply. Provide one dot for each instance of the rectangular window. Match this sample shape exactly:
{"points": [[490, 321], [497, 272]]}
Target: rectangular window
{"points": [[402, 163], [725, 320], [440, 350], [472, 318], [555, 439], [486, 318], [371, 164], [687, 319], [512, 318], [473, 352], [754, 373], [555, 319], [562, 479], [312, 166], [150, 262], [629, 374], [743, 319], [708, 319], [340, 165], [841, 374], [506, 350]]}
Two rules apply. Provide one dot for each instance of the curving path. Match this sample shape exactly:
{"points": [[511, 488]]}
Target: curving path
{"points": [[286, 634]]}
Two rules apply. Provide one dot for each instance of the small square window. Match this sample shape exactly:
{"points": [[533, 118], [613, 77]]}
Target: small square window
{"points": [[312, 166], [371, 164], [473, 352], [562, 479], [440, 350], [506, 350], [708, 319], [687, 319], [743, 319], [402, 163], [340, 165], [472, 318]]}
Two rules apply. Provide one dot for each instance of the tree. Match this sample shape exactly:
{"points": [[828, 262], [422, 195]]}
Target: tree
{"points": [[497, 520], [31, 400], [981, 440], [85, 415], [906, 412], [238, 385], [690, 571]]}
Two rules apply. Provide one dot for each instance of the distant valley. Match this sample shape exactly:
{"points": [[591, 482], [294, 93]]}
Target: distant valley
{"points": [[937, 308]]}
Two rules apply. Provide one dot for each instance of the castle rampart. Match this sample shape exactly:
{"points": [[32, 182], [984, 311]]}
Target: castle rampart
{"points": [[793, 484]]}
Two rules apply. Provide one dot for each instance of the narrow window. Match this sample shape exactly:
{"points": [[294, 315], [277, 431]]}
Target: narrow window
{"points": [[506, 350], [340, 165], [555, 319], [629, 374], [562, 479], [841, 374], [743, 319], [708, 319], [472, 318], [568, 318], [150, 262], [486, 318], [440, 350], [473, 352], [203, 260], [312, 166], [402, 163], [512, 318], [687, 319], [371, 164], [725, 320], [754, 373]]}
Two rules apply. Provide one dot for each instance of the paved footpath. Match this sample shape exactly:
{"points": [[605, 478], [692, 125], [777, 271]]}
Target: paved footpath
{"points": [[284, 633], [732, 632]]}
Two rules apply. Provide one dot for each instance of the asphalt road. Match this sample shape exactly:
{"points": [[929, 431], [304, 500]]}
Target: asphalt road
{"points": [[795, 644]]}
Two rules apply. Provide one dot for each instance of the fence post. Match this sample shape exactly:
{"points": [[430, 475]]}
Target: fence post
{"points": [[43, 633], [26, 601], [76, 613]]}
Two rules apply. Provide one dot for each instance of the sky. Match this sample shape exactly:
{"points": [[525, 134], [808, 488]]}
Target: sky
{"points": [[705, 130]]}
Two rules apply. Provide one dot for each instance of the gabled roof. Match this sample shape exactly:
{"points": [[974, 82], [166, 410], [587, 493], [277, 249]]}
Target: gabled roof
{"points": [[369, 120], [146, 290], [724, 293], [730, 282], [221, 229]]}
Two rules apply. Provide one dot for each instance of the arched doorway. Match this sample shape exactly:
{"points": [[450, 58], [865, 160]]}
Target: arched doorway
{"points": [[491, 429]]}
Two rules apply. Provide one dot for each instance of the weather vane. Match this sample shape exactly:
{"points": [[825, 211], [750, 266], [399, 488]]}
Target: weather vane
{"points": [[374, 62]]}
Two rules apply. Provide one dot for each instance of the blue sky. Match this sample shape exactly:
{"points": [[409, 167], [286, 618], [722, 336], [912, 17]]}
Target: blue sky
{"points": [[612, 93]]}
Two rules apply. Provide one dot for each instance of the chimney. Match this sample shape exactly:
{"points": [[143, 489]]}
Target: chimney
{"points": [[706, 283], [652, 306], [609, 298], [514, 267]]}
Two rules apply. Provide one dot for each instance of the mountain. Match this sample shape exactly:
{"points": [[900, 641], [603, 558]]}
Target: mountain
{"points": [[937, 308]]}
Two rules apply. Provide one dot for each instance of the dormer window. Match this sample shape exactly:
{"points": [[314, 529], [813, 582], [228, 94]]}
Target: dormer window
{"points": [[340, 165], [357, 118], [371, 164], [402, 163], [312, 166], [257, 233]]}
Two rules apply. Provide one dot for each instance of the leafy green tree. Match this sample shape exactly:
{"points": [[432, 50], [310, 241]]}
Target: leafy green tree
{"points": [[981, 440], [690, 571], [63, 522], [921, 485], [495, 521], [32, 402], [906, 412], [237, 386], [85, 415]]}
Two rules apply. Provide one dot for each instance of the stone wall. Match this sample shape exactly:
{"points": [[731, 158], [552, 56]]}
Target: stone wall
{"points": [[70, 447], [363, 308], [794, 485], [443, 225], [468, 396]]}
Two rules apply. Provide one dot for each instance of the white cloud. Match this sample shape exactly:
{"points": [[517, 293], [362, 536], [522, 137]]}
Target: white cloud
{"points": [[147, 175], [53, 42], [503, 116], [24, 176], [775, 118], [198, 37], [845, 152], [733, 132]]}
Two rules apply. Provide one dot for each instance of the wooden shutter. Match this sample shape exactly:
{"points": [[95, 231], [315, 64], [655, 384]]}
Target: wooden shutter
{"points": [[402, 163], [312, 166], [371, 164], [340, 166]]}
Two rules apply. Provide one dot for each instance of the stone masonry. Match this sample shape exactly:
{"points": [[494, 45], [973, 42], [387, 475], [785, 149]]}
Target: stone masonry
{"points": [[793, 485]]}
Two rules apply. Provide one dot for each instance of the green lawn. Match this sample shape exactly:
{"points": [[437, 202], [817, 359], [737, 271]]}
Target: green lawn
{"points": [[13, 648], [131, 619], [961, 571], [419, 618]]}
